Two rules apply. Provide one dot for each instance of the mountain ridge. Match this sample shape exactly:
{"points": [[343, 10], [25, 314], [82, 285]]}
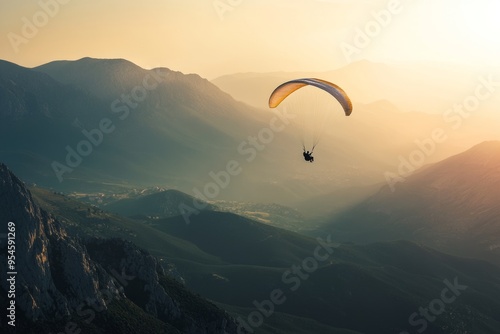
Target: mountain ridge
{"points": [[451, 205]]}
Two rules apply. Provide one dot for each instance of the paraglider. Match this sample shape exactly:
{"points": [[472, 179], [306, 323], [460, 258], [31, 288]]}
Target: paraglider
{"points": [[287, 88], [307, 156]]}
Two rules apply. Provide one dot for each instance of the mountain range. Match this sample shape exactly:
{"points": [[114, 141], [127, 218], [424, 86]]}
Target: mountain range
{"points": [[109, 125], [135, 127], [237, 263]]}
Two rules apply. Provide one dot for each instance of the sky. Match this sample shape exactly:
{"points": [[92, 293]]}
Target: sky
{"points": [[218, 37]]}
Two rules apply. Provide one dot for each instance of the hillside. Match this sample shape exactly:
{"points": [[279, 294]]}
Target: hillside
{"points": [[452, 205], [163, 204]]}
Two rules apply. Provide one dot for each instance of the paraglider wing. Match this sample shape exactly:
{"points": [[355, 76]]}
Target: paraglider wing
{"points": [[287, 88]]}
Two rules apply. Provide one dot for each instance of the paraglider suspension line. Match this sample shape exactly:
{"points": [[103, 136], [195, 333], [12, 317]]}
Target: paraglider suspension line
{"points": [[312, 149]]}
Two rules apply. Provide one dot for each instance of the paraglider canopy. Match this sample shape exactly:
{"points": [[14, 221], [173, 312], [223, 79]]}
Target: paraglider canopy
{"points": [[312, 125], [287, 88]]}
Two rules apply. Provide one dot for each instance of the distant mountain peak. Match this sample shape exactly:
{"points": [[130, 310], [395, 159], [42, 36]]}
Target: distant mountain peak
{"points": [[489, 147], [69, 71], [85, 61], [483, 156], [103, 78]]}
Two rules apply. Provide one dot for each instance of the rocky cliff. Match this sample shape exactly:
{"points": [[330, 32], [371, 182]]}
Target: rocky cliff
{"points": [[62, 280]]}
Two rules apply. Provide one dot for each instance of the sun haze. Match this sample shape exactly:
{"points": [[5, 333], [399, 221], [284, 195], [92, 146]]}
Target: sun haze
{"points": [[216, 37]]}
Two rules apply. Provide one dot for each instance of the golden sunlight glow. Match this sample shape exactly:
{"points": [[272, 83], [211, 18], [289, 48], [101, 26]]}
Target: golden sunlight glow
{"points": [[254, 36], [481, 17]]}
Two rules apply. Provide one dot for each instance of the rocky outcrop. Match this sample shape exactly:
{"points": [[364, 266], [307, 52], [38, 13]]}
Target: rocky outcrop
{"points": [[146, 283], [54, 271], [139, 275], [57, 273]]}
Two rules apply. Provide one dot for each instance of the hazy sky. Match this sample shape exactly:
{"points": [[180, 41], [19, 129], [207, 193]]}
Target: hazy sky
{"points": [[216, 37]]}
